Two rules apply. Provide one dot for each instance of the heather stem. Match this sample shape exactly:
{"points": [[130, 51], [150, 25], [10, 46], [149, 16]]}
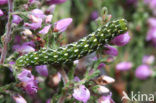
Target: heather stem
{"points": [[65, 80], [8, 32]]}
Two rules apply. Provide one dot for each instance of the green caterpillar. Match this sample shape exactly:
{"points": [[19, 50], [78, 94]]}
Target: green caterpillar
{"points": [[76, 50]]}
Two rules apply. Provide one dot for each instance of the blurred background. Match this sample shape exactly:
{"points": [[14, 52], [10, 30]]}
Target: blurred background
{"points": [[134, 69]]}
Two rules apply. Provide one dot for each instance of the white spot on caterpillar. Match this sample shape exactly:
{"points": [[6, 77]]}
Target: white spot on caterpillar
{"points": [[32, 61], [108, 30], [36, 58], [102, 34], [21, 61], [92, 34], [66, 54], [86, 45], [95, 40], [76, 50], [31, 55], [55, 56]]}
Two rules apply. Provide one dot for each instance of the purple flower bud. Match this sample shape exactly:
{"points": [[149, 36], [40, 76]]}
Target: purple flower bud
{"points": [[16, 19], [11, 63], [121, 40], [2, 2], [148, 59], [34, 26], [56, 1], [124, 66], [19, 99], [26, 49], [30, 43], [82, 94], [94, 58], [131, 1], [17, 39], [25, 76], [51, 9], [151, 36], [152, 22], [49, 19], [45, 30], [38, 13], [143, 72], [152, 5], [94, 15], [1, 13], [101, 65], [42, 70], [49, 100], [109, 50], [62, 24], [76, 79], [32, 1], [106, 99]]}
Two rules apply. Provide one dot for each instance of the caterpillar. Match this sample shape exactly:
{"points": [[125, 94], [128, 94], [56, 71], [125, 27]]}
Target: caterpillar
{"points": [[76, 50]]}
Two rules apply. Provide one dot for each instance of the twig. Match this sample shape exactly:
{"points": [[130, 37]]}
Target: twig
{"points": [[64, 76], [65, 80], [3, 89], [8, 32]]}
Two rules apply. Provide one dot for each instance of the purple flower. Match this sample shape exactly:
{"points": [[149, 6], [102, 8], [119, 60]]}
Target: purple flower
{"points": [[109, 50], [94, 15], [29, 82], [42, 70], [106, 99], [101, 65], [2, 2], [81, 94], [25, 76], [35, 25], [62, 24], [56, 1], [143, 72], [121, 40], [45, 30], [1, 13], [19, 99], [38, 13], [148, 59], [31, 87], [124, 66], [16, 19]]}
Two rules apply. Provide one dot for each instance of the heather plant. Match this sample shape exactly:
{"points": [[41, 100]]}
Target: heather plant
{"points": [[76, 51]]}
